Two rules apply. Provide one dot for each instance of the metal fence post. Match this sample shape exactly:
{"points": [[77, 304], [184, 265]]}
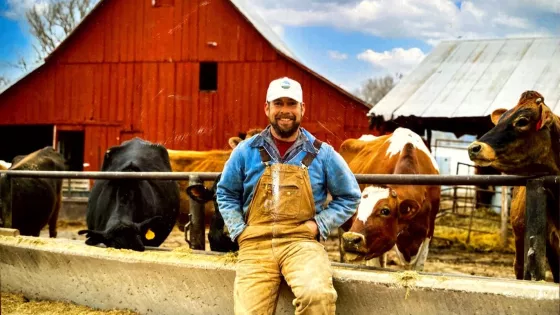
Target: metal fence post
{"points": [[535, 231], [504, 216], [197, 216], [6, 198]]}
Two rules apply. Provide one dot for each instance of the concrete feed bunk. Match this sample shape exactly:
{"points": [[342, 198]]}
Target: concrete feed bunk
{"points": [[185, 282]]}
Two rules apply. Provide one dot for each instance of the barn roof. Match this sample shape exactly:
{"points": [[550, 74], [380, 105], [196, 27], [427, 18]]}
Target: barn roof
{"points": [[244, 7], [471, 78]]}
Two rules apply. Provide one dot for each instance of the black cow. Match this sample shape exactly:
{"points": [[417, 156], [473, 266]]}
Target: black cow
{"points": [[218, 236], [131, 213], [35, 201]]}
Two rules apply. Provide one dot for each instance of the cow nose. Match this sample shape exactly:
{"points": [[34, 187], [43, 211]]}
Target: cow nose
{"points": [[353, 241], [474, 149]]}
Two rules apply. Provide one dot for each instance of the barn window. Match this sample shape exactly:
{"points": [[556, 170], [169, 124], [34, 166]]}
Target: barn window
{"points": [[208, 76], [162, 3]]}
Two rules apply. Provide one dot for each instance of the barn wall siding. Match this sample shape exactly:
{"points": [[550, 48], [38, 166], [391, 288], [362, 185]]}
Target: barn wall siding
{"points": [[133, 70], [176, 33]]}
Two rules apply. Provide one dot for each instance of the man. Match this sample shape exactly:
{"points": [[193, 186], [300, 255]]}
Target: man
{"points": [[271, 195]]}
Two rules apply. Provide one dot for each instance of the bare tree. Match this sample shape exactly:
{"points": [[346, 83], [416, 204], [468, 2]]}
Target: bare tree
{"points": [[3, 81], [49, 25], [374, 89], [53, 23], [20, 64]]}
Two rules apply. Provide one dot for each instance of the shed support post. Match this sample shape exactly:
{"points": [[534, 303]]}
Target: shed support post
{"points": [[535, 231]]}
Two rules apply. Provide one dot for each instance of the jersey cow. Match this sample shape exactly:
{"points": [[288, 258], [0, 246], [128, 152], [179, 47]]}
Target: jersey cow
{"points": [[525, 140], [401, 215], [35, 201], [351, 147], [201, 161], [131, 213]]}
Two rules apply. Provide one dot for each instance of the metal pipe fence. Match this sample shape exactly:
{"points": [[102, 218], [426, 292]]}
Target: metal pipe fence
{"points": [[535, 233]]}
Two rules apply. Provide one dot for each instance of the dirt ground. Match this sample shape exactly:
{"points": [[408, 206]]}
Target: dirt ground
{"points": [[445, 256]]}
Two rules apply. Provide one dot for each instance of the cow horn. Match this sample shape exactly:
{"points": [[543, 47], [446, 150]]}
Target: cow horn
{"points": [[539, 100]]}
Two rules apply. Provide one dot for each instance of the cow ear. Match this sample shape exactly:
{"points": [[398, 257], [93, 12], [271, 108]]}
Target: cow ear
{"points": [[151, 222], [234, 141], [546, 115], [496, 114], [199, 193], [408, 209]]}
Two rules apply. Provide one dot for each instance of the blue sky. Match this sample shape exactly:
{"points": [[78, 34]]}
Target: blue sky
{"points": [[314, 45], [349, 41], [14, 41]]}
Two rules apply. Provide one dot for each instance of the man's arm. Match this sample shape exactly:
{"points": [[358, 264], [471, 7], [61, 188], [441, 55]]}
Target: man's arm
{"points": [[345, 193], [229, 194]]}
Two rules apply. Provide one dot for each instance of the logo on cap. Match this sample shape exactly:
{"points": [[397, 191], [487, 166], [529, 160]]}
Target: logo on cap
{"points": [[285, 84]]}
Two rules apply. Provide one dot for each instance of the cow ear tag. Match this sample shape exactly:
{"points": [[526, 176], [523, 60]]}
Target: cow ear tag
{"points": [[150, 234], [393, 193]]}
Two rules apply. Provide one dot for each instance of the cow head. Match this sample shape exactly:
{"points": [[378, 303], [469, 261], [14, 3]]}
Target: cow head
{"points": [[234, 141], [523, 139], [218, 236], [125, 235], [381, 216]]}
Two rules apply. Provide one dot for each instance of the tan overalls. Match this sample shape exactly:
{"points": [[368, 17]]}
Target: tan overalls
{"points": [[276, 243]]}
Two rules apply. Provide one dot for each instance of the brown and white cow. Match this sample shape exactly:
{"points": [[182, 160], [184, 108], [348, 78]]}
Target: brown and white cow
{"points": [[393, 215], [351, 147], [525, 141]]}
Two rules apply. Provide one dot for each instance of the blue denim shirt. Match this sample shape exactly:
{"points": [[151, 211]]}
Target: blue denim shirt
{"points": [[328, 171]]}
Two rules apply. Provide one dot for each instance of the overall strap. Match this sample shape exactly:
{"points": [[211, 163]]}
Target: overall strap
{"points": [[265, 157], [309, 157]]}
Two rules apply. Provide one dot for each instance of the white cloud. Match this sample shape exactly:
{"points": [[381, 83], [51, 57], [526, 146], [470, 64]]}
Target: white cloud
{"points": [[397, 60], [337, 55], [511, 21], [428, 20], [17, 8]]}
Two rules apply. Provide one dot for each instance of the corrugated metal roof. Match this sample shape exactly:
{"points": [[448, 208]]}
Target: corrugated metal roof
{"points": [[471, 78]]}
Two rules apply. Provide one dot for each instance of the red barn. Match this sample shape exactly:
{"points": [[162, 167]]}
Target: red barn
{"points": [[186, 73]]}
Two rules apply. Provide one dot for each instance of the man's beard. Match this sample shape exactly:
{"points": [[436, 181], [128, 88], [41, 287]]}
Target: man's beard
{"points": [[282, 132]]}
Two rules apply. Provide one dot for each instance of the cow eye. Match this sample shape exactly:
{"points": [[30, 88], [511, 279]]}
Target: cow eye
{"points": [[522, 122], [385, 212]]}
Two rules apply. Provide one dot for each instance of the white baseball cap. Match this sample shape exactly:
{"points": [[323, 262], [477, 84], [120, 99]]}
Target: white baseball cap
{"points": [[284, 87]]}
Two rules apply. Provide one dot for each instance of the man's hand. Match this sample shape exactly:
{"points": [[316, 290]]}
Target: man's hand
{"points": [[312, 225]]}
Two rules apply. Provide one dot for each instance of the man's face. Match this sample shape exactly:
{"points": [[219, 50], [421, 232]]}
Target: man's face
{"points": [[284, 115]]}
